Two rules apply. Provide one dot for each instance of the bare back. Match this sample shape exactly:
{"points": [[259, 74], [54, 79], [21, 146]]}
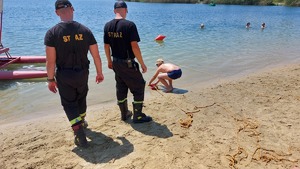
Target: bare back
{"points": [[167, 67]]}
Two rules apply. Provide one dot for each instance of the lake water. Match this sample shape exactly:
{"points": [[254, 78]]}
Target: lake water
{"points": [[223, 49]]}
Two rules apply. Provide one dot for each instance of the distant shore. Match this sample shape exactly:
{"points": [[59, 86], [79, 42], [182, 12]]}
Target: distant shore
{"points": [[295, 3]]}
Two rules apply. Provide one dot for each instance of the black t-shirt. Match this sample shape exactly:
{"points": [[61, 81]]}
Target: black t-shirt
{"points": [[119, 33], [71, 41]]}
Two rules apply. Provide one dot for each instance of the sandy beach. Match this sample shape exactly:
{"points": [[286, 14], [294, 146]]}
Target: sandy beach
{"points": [[246, 123]]}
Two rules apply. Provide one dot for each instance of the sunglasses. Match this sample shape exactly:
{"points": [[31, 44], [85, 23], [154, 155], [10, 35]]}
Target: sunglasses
{"points": [[63, 6]]}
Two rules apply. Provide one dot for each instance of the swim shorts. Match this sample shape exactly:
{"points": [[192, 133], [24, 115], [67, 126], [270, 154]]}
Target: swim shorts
{"points": [[175, 74]]}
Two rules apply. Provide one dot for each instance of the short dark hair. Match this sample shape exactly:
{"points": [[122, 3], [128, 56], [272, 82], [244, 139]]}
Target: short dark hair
{"points": [[120, 4]]}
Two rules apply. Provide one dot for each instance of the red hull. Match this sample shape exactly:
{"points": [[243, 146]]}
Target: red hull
{"points": [[10, 75], [31, 59], [25, 59], [25, 74]]}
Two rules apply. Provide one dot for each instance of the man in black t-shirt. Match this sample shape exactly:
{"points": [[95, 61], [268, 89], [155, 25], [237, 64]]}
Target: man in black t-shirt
{"points": [[121, 48], [67, 46]]}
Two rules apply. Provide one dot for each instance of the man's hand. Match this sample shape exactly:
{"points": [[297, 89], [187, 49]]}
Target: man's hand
{"points": [[144, 68], [52, 86], [153, 86], [109, 65], [99, 78]]}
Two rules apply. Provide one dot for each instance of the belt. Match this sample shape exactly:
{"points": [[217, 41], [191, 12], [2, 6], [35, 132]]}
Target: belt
{"points": [[76, 68], [121, 60]]}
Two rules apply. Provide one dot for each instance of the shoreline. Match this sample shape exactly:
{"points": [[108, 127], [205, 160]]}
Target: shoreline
{"points": [[181, 87], [252, 120]]}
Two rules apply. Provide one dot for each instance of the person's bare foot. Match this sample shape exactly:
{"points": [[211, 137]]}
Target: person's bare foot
{"points": [[169, 90]]}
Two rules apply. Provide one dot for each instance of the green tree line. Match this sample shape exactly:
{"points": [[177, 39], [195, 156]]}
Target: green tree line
{"points": [[229, 2]]}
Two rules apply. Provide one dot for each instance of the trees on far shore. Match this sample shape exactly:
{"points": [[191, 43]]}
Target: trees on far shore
{"points": [[229, 2]]}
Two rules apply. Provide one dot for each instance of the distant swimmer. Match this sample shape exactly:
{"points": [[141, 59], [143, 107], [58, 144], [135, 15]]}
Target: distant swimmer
{"points": [[263, 25], [202, 26], [248, 25]]}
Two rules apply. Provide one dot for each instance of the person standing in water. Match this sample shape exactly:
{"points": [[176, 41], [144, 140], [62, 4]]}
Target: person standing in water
{"points": [[248, 25], [263, 25]]}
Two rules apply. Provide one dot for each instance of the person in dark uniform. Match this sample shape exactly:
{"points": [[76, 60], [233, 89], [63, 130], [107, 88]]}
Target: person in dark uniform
{"points": [[67, 45], [121, 48]]}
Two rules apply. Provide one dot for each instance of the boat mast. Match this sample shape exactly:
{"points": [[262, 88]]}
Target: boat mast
{"points": [[2, 49], [1, 12]]}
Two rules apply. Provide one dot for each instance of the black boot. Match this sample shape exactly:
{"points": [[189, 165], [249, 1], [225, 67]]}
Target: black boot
{"points": [[138, 116], [80, 137], [84, 123], [125, 113]]}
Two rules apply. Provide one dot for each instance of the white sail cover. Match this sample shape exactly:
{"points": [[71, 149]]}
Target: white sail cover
{"points": [[1, 6]]}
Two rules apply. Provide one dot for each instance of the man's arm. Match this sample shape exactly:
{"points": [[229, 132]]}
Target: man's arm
{"points": [[97, 61], [154, 77], [108, 55], [50, 66], [138, 54]]}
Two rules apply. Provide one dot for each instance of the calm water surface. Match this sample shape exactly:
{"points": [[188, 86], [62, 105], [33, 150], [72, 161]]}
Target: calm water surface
{"points": [[223, 49]]}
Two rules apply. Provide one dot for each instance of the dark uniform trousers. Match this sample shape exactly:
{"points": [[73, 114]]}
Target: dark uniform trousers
{"points": [[129, 78], [73, 88]]}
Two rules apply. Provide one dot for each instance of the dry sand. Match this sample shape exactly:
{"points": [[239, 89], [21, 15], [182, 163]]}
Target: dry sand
{"points": [[250, 123]]}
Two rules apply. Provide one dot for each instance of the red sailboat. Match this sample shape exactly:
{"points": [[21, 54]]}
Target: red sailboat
{"points": [[7, 59]]}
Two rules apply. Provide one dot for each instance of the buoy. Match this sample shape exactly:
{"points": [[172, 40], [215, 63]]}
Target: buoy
{"points": [[160, 37]]}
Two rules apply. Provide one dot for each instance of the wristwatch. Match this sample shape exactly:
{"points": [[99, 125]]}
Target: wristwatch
{"points": [[50, 80]]}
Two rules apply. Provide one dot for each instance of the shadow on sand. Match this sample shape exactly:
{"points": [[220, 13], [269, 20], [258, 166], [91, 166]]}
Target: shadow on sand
{"points": [[152, 129], [103, 149], [161, 89], [179, 91]]}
